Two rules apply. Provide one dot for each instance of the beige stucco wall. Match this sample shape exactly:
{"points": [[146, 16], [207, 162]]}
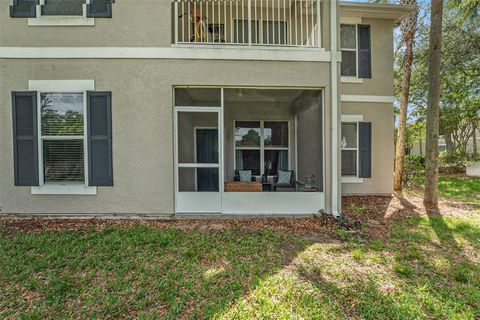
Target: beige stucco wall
{"points": [[142, 123], [135, 23], [382, 118], [381, 82]]}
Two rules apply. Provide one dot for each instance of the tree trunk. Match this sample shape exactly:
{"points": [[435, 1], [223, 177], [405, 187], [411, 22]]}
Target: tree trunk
{"points": [[402, 119], [474, 142], [449, 142], [433, 108]]}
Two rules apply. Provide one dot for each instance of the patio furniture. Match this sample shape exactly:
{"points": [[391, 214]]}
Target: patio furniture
{"points": [[237, 186], [237, 176], [266, 186], [290, 186]]}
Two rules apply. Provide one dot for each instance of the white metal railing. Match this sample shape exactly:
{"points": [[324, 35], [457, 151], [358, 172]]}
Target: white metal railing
{"points": [[294, 23]]}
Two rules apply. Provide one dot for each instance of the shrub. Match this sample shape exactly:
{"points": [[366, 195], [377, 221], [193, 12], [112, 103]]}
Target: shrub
{"points": [[413, 169], [452, 162]]}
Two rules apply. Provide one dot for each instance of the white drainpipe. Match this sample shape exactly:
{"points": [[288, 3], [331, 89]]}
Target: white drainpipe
{"points": [[336, 206]]}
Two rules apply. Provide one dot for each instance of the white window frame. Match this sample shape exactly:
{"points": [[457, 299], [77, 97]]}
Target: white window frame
{"points": [[352, 119], [351, 79], [262, 148], [48, 20], [62, 86]]}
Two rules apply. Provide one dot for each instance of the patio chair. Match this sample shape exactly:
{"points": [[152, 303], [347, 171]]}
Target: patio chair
{"points": [[290, 186]]}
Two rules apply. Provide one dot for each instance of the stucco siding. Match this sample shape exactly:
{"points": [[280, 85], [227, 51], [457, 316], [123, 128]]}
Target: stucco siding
{"points": [[382, 118], [142, 123]]}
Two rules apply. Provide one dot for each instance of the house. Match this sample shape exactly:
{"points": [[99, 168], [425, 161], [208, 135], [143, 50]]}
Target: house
{"points": [[418, 147], [153, 107]]}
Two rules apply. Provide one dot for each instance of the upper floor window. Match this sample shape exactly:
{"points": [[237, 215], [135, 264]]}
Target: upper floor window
{"points": [[348, 46], [62, 7], [61, 12], [355, 45]]}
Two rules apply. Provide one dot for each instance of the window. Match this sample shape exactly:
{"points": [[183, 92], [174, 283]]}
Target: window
{"points": [[262, 146], [62, 137], [62, 7], [348, 46], [349, 144]]}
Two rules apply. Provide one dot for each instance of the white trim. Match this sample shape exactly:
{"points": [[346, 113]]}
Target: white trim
{"points": [[365, 98], [351, 80], [61, 85], [352, 118], [196, 52], [198, 165], [352, 179], [350, 20], [335, 173], [64, 189], [61, 21], [273, 202]]}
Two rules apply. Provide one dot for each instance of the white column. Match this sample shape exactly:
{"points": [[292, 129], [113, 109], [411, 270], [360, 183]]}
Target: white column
{"points": [[336, 185]]}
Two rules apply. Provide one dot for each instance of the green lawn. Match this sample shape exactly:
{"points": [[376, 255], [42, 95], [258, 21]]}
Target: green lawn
{"points": [[427, 268], [458, 188]]}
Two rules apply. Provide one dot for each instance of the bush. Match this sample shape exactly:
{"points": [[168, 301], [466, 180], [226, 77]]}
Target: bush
{"points": [[452, 162], [413, 169]]}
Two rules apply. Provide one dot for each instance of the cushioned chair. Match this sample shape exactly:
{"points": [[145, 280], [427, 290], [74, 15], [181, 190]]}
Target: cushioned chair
{"points": [[290, 186], [237, 177]]}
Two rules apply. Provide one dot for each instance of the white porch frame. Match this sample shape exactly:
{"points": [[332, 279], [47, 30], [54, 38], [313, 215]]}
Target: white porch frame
{"points": [[244, 203]]}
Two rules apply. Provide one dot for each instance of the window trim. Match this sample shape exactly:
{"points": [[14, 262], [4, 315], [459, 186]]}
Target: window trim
{"points": [[355, 78], [262, 147], [352, 119], [49, 20], [59, 86]]}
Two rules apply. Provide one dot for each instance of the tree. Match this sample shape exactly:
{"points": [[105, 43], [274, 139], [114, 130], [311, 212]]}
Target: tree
{"points": [[433, 107], [468, 9], [408, 28]]}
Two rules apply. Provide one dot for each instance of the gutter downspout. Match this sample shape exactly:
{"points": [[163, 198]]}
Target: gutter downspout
{"points": [[336, 209]]}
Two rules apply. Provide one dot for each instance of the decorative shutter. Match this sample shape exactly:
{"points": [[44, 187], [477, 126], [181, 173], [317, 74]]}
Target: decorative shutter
{"points": [[23, 9], [100, 8], [25, 138], [364, 52], [365, 149], [99, 123]]}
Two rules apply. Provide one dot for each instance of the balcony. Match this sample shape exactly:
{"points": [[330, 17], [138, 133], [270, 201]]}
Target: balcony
{"points": [[268, 23]]}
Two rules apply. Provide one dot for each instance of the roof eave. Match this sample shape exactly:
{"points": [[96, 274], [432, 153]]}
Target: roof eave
{"points": [[394, 12]]}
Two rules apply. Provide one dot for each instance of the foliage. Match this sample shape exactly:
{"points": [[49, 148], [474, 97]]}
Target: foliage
{"points": [[414, 170], [460, 90], [425, 269], [452, 162], [468, 9]]}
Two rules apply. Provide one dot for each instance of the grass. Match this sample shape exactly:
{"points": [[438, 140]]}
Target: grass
{"points": [[427, 268], [465, 189]]}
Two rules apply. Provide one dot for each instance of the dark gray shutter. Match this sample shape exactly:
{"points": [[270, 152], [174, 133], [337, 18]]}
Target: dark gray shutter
{"points": [[100, 8], [25, 138], [365, 149], [23, 9], [364, 52], [99, 123]]}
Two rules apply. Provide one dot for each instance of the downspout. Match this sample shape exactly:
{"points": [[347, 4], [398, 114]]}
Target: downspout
{"points": [[336, 205]]}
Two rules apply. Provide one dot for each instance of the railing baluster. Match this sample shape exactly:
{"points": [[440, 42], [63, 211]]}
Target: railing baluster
{"points": [[176, 21], [219, 22], [249, 3], [201, 17], [236, 19], [225, 20], [307, 30], [284, 23], [189, 24], [268, 31], [183, 21], [301, 24], [296, 24], [290, 21], [319, 25], [260, 25]]}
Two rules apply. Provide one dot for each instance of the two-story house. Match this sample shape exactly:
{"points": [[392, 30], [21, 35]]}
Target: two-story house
{"points": [[159, 107]]}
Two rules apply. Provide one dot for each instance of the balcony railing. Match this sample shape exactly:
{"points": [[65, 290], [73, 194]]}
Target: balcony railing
{"points": [[285, 23]]}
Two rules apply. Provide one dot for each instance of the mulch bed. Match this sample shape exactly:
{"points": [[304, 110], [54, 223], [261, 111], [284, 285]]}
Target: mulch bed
{"points": [[371, 214]]}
